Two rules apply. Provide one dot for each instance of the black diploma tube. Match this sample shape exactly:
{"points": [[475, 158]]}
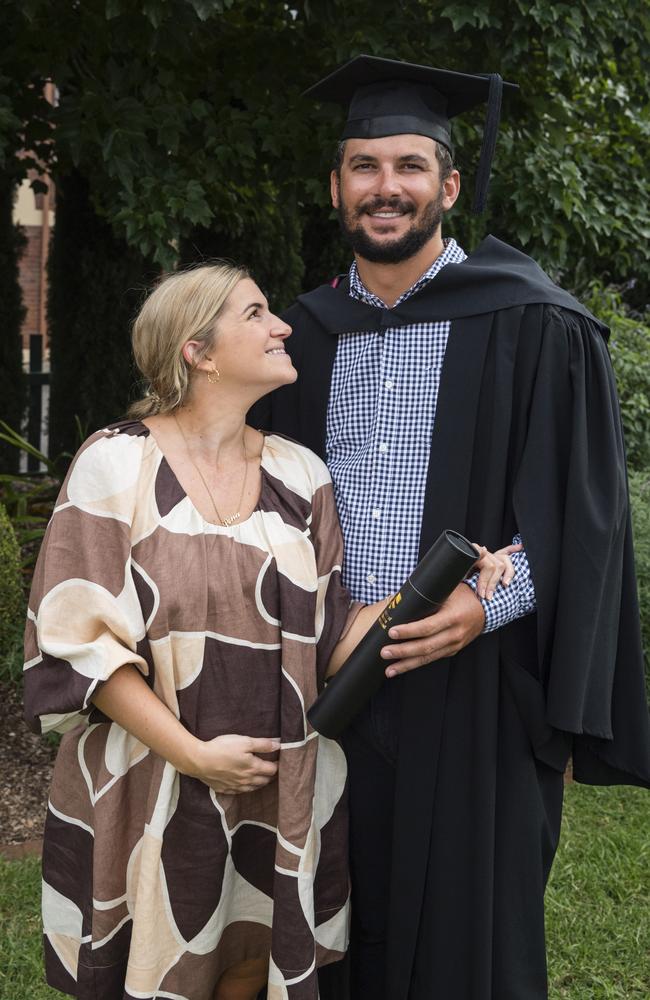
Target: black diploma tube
{"points": [[434, 578]]}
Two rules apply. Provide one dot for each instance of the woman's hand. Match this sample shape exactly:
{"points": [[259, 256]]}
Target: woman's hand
{"points": [[494, 567], [226, 763], [229, 764]]}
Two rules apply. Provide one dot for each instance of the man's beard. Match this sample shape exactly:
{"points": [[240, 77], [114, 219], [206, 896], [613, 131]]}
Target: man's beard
{"points": [[389, 251]]}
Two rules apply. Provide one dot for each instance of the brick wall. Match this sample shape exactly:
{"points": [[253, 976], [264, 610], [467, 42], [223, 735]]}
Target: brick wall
{"points": [[30, 282], [34, 213]]}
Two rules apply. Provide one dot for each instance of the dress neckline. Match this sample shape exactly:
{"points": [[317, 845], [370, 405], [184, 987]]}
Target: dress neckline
{"points": [[213, 524]]}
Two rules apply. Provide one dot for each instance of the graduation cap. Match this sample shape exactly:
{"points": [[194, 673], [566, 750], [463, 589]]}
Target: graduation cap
{"points": [[388, 97]]}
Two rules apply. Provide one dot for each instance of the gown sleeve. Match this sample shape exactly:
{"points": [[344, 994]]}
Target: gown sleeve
{"points": [[571, 505], [84, 620], [335, 611]]}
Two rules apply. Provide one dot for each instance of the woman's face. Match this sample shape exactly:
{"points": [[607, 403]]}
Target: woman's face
{"points": [[249, 347]]}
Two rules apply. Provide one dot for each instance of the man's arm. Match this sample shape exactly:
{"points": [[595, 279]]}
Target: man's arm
{"points": [[459, 621], [476, 606]]}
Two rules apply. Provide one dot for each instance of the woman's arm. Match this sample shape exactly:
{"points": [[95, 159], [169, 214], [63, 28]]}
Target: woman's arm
{"points": [[354, 634], [227, 763]]}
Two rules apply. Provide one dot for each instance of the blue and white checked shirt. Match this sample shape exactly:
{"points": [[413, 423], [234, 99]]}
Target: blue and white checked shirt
{"points": [[380, 417]]}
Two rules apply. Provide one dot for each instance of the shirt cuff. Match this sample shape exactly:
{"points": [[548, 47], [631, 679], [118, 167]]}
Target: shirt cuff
{"points": [[493, 615], [511, 602]]}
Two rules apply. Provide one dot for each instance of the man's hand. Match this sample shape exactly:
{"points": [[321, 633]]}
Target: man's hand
{"points": [[459, 621]]}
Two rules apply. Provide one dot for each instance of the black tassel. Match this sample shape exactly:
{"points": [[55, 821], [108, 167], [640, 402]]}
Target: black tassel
{"points": [[492, 118]]}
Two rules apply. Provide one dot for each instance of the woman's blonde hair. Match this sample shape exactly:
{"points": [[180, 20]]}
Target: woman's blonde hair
{"points": [[183, 306]]}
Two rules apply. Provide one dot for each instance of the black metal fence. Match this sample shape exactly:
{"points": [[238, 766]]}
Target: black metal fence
{"points": [[36, 428]]}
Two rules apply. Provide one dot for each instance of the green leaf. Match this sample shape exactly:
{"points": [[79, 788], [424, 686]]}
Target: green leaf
{"points": [[205, 9]]}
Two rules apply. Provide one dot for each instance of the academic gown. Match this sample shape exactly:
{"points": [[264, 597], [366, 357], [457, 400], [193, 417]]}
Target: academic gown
{"points": [[527, 437]]}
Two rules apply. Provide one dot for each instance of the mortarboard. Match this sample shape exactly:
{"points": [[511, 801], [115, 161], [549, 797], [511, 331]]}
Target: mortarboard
{"points": [[388, 97]]}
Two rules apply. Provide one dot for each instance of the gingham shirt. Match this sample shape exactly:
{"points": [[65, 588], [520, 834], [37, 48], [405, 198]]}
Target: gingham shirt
{"points": [[380, 417]]}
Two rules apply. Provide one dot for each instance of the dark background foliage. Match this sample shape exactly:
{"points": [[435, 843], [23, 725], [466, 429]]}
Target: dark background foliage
{"points": [[96, 282], [185, 113], [184, 123]]}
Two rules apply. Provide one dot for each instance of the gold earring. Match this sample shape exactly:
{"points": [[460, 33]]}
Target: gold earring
{"points": [[214, 376]]}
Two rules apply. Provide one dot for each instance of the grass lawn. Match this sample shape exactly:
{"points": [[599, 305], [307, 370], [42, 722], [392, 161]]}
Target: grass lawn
{"points": [[598, 899], [21, 963], [598, 905]]}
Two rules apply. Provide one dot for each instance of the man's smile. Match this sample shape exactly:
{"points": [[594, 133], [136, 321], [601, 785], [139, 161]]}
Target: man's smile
{"points": [[387, 211]]}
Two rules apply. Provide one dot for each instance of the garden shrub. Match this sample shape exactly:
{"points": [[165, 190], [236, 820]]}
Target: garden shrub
{"points": [[11, 591], [640, 502]]}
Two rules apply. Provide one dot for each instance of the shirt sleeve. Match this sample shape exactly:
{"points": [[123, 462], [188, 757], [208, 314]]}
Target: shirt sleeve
{"points": [[84, 618], [513, 601]]}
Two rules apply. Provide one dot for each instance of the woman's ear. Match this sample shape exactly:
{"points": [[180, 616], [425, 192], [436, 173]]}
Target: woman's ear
{"points": [[190, 352]]}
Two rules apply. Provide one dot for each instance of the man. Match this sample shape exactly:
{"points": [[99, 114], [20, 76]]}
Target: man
{"points": [[471, 393]]}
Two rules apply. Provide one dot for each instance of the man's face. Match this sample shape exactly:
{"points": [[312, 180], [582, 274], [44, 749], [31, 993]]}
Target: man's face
{"points": [[389, 196]]}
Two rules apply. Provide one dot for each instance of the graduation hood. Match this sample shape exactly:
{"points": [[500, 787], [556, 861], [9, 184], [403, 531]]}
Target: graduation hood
{"points": [[495, 276]]}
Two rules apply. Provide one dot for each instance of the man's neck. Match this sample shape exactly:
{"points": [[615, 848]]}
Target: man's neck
{"points": [[389, 281]]}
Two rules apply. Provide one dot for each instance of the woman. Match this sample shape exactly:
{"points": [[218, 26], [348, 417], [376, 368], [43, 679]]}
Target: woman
{"points": [[186, 607]]}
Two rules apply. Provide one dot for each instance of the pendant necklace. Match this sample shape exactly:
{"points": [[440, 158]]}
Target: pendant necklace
{"points": [[225, 521]]}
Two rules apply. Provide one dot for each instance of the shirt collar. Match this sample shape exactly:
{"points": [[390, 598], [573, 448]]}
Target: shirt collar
{"points": [[452, 253]]}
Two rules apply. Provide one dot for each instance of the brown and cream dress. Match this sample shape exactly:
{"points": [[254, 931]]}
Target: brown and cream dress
{"points": [[153, 884]]}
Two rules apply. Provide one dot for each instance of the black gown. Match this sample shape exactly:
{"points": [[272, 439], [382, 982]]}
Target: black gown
{"points": [[527, 437]]}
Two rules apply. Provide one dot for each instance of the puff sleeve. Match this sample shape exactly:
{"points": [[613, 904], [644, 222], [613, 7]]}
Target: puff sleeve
{"points": [[84, 619]]}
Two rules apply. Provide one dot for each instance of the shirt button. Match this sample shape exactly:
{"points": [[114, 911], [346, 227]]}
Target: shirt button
{"points": [[388, 384], [371, 578], [376, 513], [383, 446]]}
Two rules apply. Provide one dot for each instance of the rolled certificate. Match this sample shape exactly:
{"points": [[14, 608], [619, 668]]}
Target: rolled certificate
{"points": [[438, 573]]}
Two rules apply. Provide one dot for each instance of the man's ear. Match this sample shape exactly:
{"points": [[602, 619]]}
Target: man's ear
{"points": [[451, 189], [335, 184]]}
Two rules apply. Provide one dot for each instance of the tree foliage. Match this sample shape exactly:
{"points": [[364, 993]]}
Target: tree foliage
{"points": [[188, 113], [168, 109]]}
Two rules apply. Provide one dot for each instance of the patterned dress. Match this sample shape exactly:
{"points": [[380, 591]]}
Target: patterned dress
{"points": [[153, 883]]}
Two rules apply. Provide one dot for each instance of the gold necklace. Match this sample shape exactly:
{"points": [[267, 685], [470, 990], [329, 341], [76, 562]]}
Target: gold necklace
{"points": [[225, 521]]}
